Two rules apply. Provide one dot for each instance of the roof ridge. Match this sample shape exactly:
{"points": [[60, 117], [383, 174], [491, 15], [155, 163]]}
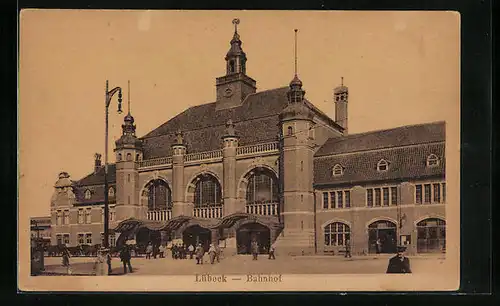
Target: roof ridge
{"points": [[389, 147]]}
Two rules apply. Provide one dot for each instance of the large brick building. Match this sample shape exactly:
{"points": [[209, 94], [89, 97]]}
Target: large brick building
{"points": [[266, 166]]}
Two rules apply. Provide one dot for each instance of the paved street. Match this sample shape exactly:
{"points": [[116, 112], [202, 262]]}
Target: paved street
{"points": [[242, 264]]}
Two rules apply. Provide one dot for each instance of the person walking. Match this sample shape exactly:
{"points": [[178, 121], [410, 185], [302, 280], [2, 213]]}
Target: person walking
{"points": [[399, 263], [212, 253], [161, 249], [379, 245], [348, 248], [255, 250], [271, 251], [217, 252], [65, 259], [125, 258], [191, 251], [200, 252], [149, 250]]}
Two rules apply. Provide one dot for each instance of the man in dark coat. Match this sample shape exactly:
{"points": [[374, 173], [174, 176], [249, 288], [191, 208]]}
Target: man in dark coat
{"points": [[399, 263], [125, 257]]}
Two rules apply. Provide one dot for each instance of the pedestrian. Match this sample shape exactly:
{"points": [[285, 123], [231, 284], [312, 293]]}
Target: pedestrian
{"points": [[217, 252], [348, 248], [255, 250], [200, 252], [212, 253], [149, 250], [272, 248], [172, 249], [399, 263], [162, 251], [108, 260], [191, 251], [379, 246], [65, 259], [125, 258], [99, 263]]}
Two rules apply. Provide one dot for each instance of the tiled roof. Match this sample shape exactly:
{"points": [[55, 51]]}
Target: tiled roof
{"points": [[97, 178], [96, 181], [401, 136], [256, 120], [404, 162]]}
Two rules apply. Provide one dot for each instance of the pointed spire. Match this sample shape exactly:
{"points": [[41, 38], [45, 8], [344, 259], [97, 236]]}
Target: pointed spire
{"points": [[128, 96], [341, 81], [296, 82], [296, 52]]}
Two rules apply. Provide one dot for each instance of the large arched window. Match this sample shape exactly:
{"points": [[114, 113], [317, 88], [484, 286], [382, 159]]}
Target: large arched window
{"points": [[431, 235], [207, 191], [337, 233], [262, 187], [159, 195]]}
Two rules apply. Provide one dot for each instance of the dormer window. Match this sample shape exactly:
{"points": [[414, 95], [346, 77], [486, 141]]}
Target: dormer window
{"points": [[382, 165], [432, 160], [88, 194], [111, 192], [337, 170]]}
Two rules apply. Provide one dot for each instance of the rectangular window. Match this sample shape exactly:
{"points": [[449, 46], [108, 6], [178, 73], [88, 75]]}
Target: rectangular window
{"points": [[347, 199], [81, 239], [66, 217], [59, 239], [418, 194], [59, 217], [80, 215], [88, 239], [394, 195], [340, 200], [427, 193], [112, 240], [378, 195], [332, 199], [66, 238], [386, 196], [112, 214], [88, 215], [369, 197], [444, 192], [437, 193], [325, 200]]}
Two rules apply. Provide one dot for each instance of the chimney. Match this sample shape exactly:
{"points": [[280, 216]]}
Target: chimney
{"points": [[97, 162]]}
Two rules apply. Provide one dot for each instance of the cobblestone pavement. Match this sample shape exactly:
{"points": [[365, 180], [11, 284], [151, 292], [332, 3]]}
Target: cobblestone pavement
{"points": [[242, 264]]}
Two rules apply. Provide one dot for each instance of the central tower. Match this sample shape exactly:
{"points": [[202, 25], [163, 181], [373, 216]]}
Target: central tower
{"points": [[235, 86]]}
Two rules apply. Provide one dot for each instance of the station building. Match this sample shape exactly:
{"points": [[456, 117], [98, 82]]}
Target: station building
{"points": [[266, 166]]}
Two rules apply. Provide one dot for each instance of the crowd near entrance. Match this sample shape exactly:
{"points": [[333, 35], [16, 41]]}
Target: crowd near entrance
{"points": [[431, 235], [196, 234], [382, 237], [253, 232]]}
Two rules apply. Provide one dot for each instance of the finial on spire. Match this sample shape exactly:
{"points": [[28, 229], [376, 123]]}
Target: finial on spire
{"points": [[236, 22], [296, 51], [341, 81], [128, 96]]}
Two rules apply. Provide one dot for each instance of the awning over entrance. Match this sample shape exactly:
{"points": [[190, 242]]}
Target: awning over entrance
{"points": [[135, 224]]}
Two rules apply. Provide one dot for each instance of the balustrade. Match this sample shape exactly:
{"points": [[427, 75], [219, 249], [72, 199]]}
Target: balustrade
{"points": [[208, 212], [203, 155], [159, 215], [155, 162], [258, 148], [266, 209]]}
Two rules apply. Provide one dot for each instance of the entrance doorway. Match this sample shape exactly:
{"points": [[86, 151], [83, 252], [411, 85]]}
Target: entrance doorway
{"points": [[251, 232], [431, 236], [144, 236], [196, 234], [382, 237]]}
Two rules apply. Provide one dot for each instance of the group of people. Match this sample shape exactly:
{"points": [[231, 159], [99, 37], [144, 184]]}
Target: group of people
{"points": [[254, 248]]}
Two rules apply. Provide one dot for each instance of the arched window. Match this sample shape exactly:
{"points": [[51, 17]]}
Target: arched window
{"points": [[129, 157], [290, 131], [337, 233], [337, 170], [111, 192], [432, 160], [119, 157], [88, 194], [431, 235], [382, 165], [159, 195], [137, 157], [262, 187], [207, 191], [231, 66]]}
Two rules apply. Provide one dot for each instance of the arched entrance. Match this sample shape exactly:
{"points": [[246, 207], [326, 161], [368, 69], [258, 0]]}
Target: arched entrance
{"points": [[431, 235], [196, 234], [250, 232], [382, 237], [145, 236]]}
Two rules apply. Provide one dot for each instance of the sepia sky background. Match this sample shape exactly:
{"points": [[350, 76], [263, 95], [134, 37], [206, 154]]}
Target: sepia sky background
{"points": [[401, 68]]}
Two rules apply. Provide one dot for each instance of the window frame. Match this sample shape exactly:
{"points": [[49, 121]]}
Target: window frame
{"points": [[434, 159], [382, 163], [337, 170], [330, 231]]}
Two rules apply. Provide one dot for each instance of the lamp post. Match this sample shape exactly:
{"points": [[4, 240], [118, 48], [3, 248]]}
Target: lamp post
{"points": [[108, 95]]}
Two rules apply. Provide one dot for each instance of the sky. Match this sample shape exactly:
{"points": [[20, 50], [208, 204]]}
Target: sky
{"points": [[401, 68]]}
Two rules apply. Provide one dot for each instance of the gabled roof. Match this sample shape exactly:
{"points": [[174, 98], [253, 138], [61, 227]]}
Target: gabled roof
{"points": [[97, 178], [396, 137], [256, 121]]}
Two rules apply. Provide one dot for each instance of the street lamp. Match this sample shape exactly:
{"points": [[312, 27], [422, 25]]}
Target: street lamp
{"points": [[109, 94]]}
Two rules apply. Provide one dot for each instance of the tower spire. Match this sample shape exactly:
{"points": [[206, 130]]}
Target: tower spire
{"points": [[341, 81], [236, 22], [128, 96], [296, 51]]}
